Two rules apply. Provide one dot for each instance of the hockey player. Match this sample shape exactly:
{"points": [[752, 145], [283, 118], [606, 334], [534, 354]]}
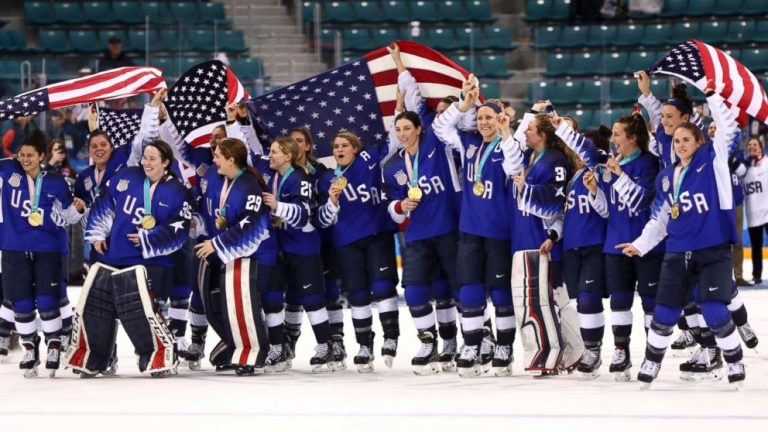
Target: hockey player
{"points": [[423, 187], [483, 260], [36, 205], [364, 238], [299, 268], [626, 191], [242, 226], [137, 222], [694, 210]]}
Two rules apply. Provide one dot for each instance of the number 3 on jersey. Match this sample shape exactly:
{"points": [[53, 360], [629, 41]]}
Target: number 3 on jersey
{"points": [[559, 174]]}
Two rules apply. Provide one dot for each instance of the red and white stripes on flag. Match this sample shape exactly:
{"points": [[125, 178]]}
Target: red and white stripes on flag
{"points": [[111, 84], [437, 75], [734, 82]]}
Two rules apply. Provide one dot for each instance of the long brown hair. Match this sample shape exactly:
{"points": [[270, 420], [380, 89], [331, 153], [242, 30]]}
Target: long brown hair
{"points": [[166, 154], [304, 131], [634, 126], [544, 125], [65, 168], [235, 149]]}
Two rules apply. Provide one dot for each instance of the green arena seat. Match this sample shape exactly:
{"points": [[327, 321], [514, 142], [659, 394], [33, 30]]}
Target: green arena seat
{"points": [[395, 11], [231, 41], [493, 66], [85, 41], [98, 12], [68, 13], [674, 8], [499, 37], [444, 38], [561, 9], [586, 63], [657, 34], [713, 32], [760, 34], [623, 91], [614, 63], [741, 31], [184, 11], [338, 12], [755, 59], [384, 36], [701, 7], [248, 68], [558, 64], [574, 36], [683, 31], [366, 11], [754, 7], [424, 11], [464, 61], [137, 41], [591, 92], [547, 36], [729, 7], [479, 11], [128, 12], [54, 41], [157, 12], [452, 11], [38, 12], [566, 92], [357, 39], [537, 10], [106, 35], [601, 35], [200, 40], [490, 89], [640, 60], [630, 35], [213, 12]]}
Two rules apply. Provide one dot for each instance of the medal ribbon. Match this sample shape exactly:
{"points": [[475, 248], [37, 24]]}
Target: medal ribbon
{"points": [[275, 188], [480, 163], [147, 197], [679, 182], [97, 176], [413, 171], [630, 158], [225, 189], [34, 191], [339, 173]]}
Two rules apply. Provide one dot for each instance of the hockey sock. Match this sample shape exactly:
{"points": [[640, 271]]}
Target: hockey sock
{"points": [[6, 318], [24, 315], [591, 318], [50, 315], [738, 310], [446, 309], [385, 294], [621, 317], [334, 306], [660, 333], [272, 302], [718, 317], [648, 302], [472, 298], [506, 324], [417, 299], [362, 317]]}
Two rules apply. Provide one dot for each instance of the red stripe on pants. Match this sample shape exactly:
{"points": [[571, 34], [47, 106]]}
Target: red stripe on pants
{"points": [[238, 294]]}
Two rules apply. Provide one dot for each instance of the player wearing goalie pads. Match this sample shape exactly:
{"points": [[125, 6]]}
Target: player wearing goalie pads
{"points": [[626, 190], [483, 257], [353, 207], [242, 226], [693, 209], [34, 207], [134, 226], [423, 188]]}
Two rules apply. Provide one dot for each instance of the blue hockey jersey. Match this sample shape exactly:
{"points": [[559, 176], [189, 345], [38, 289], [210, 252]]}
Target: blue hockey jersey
{"points": [[583, 225]]}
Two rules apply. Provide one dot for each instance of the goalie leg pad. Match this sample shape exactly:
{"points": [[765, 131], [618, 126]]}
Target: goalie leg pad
{"points": [[573, 345], [147, 331], [534, 310], [94, 323], [244, 313]]}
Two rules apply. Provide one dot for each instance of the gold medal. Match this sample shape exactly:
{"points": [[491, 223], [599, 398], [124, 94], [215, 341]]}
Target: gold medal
{"points": [[35, 218], [276, 221], [674, 211], [340, 182], [148, 222], [478, 188], [415, 193], [221, 223]]}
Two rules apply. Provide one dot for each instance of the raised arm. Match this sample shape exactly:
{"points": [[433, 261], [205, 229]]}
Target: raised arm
{"points": [[647, 99]]}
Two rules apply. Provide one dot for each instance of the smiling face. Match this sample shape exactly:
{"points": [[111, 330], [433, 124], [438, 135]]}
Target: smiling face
{"points": [[754, 148], [625, 144], [487, 123], [278, 159], [407, 133], [304, 146], [671, 117], [218, 134], [343, 151], [30, 159], [153, 163], [685, 144], [533, 137], [441, 107], [99, 149], [711, 129], [224, 166]]}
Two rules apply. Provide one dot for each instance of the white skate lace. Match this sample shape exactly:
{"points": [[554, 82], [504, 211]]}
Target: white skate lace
{"points": [[589, 357], [321, 350], [53, 355], [686, 337], [735, 368], [274, 353], [746, 332], [469, 352], [502, 352], [426, 349], [29, 355], [389, 345], [486, 347], [650, 368], [365, 352], [196, 349], [449, 346], [698, 356], [619, 355], [182, 344], [5, 342]]}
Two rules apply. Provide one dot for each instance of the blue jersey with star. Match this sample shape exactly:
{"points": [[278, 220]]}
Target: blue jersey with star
{"points": [[87, 188], [583, 225], [118, 211]]}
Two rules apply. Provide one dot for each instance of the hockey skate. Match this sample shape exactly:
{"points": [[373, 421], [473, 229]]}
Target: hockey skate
{"points": [[426, 361], [364, 358], [65, 341], [276, 360], [195, 354], [291, 338], [448, 355], [487, 348], [589, 366], [389, 351], [248, 370], [684, 344], [748, 336], [468, 364], [182, 349], [736, 374], [710, 366], [339, 353], [319, 361], [686, 368], [502, 360], [5, 343], [649, 370], [621, 364], [31, 359], [52, 358]]}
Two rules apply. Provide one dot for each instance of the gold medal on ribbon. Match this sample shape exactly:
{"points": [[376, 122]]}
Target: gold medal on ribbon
{"points": [[35, 218], [415, 193], [148, 222], [340, 182], [221, 223], [276, 221], [675, 211], [478, 188]]}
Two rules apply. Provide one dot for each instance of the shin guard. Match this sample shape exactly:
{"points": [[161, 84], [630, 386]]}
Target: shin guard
{"points": [[573, 345]]}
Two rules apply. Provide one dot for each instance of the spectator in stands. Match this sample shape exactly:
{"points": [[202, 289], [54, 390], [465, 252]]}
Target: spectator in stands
{"points": [[13, 137], [756, 202], [63, 126], [57, 161], [513, 121], [114, 57]]}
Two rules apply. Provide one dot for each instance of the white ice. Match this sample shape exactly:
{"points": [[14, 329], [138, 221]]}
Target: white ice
{"points": [[389, 399]]}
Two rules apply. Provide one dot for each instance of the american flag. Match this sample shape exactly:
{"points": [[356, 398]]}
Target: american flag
{"points": [[699, 63], [197, 101], [357, 96], [121, 125], [112, 84]]}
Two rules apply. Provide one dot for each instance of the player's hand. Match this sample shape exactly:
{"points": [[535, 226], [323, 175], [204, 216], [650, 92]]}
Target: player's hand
{"points": [[408, 205], [158, 98], [333, 194], [556, 120], [546, 247], [399, 100], [590, 182], [643, 82], [613, 165], [540, 107], [79, 204], [202, 250], [394, 51], [100, 246], [242, 111], [628, 249], [163, 115], [468, 84], [469, 99], [269, 200], [519, 181], [232, 112], [134, 238], [93, 118]]}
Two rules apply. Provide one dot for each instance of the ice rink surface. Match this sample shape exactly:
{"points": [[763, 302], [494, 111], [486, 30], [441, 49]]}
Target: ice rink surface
{"points": [[389, 399]]}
